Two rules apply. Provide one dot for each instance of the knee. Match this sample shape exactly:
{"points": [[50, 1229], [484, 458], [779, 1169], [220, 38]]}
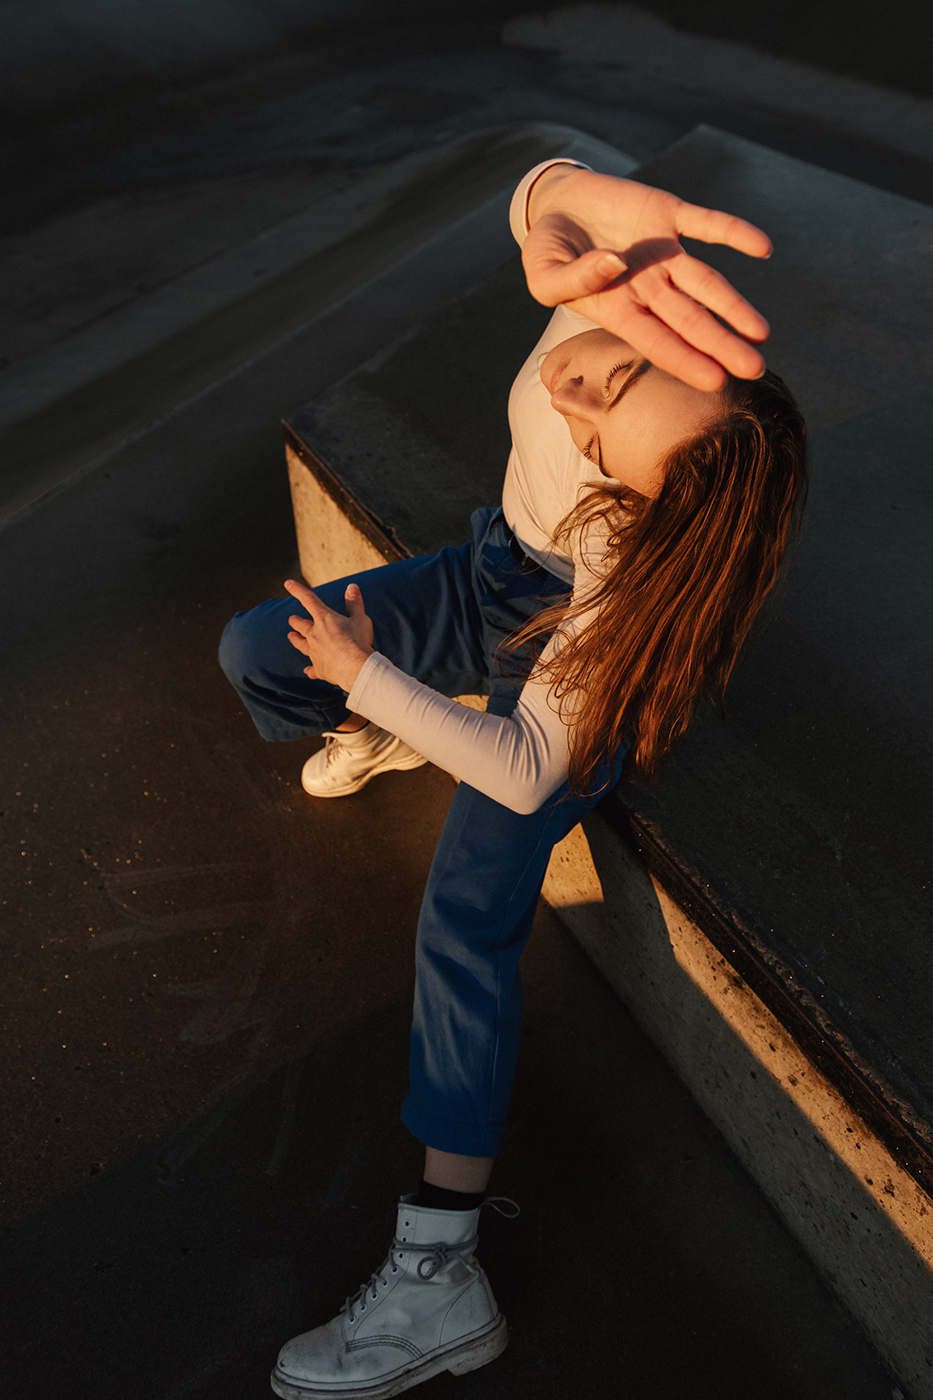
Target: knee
{"points": [[244, 645]]}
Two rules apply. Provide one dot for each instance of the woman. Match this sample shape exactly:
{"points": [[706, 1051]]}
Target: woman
{"points": [[650, 494]]}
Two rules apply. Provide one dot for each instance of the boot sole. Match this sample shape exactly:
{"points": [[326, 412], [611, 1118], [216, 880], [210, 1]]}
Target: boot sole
{"points": [[458, 1358], [402, 766]]}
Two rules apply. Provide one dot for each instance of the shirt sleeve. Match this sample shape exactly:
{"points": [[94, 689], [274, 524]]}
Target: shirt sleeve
{"points": [[519, 760], [518, 210]]}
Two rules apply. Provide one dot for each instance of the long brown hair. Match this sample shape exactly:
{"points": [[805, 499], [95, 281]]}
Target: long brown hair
{"points": [[684, 577]]}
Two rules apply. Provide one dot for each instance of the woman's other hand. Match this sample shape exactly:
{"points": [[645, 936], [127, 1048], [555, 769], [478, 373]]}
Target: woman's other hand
{"points": [[336, 646], [610, 249]]}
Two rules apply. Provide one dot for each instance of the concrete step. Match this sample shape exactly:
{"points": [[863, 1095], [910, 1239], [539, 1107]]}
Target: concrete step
{"points": [[764, 911], [70, 404]]}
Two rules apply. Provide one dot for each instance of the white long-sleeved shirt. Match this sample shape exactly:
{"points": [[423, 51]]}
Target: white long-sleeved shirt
{"points": [[519, 760]]}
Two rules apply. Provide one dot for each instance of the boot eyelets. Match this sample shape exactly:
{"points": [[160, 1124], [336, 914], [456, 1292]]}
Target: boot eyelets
{"points": [[395, 1268]]}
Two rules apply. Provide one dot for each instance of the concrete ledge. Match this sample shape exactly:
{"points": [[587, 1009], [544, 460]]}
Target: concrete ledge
{"points": [[865, 1221], [336, 535]]}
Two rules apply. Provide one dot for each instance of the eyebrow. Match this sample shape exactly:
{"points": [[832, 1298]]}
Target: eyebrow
{"points": [[632, 379]]}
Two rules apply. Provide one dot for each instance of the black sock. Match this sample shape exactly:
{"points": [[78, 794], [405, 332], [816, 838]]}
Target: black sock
{"points": [[439, 1198]]}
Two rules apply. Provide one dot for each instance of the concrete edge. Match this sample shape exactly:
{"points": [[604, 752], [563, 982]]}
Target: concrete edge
{"points": [[830, 1051]]}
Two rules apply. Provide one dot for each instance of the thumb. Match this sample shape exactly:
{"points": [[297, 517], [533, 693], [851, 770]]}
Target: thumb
{"points": [[581, 277], [354, 601]]}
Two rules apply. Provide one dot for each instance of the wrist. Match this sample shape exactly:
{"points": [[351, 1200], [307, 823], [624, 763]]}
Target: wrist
{"points": [[554, 191], [351, 665]]}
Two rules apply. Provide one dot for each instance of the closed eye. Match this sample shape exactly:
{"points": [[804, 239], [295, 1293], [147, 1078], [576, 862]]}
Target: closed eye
{"points": [[630, 382], [613, 372]]}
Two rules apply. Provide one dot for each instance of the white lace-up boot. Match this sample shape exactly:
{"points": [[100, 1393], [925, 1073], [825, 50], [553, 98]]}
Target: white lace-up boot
{"points": [[428, 1309], [348, 761]]}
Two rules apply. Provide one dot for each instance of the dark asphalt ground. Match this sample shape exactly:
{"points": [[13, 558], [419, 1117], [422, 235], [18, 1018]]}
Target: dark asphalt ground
{"points": [[207, 982]]}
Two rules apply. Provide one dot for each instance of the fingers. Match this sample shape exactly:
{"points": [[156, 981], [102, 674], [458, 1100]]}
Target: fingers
{"points": [[308, 599], [335, 645], [711, 289], [315, 608], [695, 325], [713, 226], [303, 627], [671, 352]]}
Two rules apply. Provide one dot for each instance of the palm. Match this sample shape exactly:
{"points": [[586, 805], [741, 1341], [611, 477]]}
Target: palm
{"points": [[666, 303]]}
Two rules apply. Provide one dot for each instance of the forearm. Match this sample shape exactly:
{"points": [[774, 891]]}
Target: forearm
{"points": [[519, 761]]}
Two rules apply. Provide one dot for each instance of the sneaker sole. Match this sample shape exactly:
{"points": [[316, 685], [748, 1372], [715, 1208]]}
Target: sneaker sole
{"points": [[402, 766], [459, 1358]]}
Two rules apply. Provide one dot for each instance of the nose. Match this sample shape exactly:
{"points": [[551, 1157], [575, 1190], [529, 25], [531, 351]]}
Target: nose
{"points": [[574, 398]]}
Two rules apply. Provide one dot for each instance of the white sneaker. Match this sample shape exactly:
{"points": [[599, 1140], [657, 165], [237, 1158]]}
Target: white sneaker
{"points": [[348, 761], [428, 1309]]}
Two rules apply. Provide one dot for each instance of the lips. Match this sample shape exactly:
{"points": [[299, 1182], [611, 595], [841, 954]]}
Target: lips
{"points": [[555, 377]]}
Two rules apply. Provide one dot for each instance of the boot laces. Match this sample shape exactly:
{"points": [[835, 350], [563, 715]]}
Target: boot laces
{"points": [[334, 747], [437, 1255], [433, 1257]]}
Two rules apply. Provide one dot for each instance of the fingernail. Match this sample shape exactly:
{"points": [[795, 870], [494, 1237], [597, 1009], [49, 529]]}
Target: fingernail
{"points": [[610, 266]]}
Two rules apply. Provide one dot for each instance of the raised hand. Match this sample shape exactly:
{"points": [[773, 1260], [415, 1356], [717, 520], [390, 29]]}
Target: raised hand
{"points": [[610, 249], [336, 646]]}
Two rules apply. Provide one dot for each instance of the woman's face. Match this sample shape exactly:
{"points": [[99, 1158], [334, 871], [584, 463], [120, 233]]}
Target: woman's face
{"points": [[623, 413]]}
